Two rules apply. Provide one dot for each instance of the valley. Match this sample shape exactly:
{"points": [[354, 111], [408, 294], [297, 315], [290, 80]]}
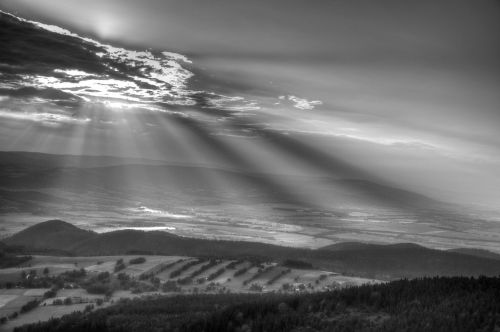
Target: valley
{"points": [[106, 194]]}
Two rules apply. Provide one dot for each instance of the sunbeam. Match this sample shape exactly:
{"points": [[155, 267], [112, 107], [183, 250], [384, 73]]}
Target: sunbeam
{"points": [[155, 140]]}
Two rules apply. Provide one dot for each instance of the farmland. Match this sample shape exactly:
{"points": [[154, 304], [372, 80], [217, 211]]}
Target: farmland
{"points": [[85, 283]]}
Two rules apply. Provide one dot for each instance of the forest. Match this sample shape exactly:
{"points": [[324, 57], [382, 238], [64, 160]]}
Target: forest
{"points": [[12, 256], [424, 304]]}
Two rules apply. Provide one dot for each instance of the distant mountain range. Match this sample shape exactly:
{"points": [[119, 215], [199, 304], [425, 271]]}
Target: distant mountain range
{"points": [[107, 191], [369, 260], [26, 177]]}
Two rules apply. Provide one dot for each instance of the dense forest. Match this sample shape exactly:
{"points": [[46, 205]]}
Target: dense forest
{"points": [[11, 256], [428, 304]]}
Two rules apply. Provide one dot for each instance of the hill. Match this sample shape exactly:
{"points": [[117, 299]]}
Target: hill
{"points": [[437, 304], [477, 252], [367, 260], [406, 260], [159, 242], [51, 235]]}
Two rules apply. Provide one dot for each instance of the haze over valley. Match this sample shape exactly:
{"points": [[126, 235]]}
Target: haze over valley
{"points": [[104, 194]]}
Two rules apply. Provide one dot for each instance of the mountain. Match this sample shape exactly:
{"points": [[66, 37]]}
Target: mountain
{"points": [[37, 172], [159, 242], [35, 160], [51, 235], [368, 260], [347, 246]]}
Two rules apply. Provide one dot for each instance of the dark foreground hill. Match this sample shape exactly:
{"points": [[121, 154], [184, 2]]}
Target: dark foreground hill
{"points": [[367, 260], [429, 304], [50, 235]]}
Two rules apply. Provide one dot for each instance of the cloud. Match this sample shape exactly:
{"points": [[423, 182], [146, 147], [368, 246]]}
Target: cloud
{"points": [[51, 76], [40, 58], [302, 103], [46, 118], [237, 104]]}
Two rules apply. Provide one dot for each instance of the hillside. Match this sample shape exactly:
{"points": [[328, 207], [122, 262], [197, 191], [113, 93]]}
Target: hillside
{"points": [[11, 256], [437, 304], [477, 252], [406, 260], [159, 242], [367, 260]]}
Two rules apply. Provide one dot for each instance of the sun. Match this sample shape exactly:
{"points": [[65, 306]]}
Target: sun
{"points": [[106, 26]]}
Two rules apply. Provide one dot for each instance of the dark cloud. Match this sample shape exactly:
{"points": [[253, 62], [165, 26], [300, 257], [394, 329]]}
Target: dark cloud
{"points": [[31, 50]]}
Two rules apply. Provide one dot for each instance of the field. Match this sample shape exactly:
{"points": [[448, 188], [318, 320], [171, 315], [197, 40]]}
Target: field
{"points": [[42, 313], [57, 265], [153, 275], [11, 300]]}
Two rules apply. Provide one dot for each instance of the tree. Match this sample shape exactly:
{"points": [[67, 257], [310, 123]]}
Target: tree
{"points": [[50, 293], [120, 265], [138, 260]]}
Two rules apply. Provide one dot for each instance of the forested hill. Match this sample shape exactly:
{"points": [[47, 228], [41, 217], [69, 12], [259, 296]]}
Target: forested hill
{"points": [[429, 304], [386, 262]]}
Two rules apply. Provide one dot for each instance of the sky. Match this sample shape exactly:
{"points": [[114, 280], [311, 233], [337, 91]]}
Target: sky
{"points": [[404, 92]]}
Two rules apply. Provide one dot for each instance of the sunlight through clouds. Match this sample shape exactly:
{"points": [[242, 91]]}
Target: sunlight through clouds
{"points": [[139, 77], [101, 99], [45, 118], [299, 130]]}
